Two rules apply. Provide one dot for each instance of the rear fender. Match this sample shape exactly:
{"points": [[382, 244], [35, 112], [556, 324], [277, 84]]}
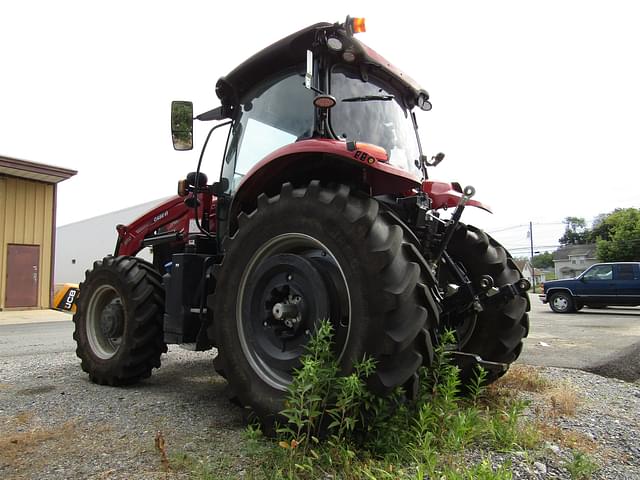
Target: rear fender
{"points": [[361, 166], [447, 195], [553, 290]]}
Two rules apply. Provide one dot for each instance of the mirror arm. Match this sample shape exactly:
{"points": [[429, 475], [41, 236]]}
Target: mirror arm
{"points": [[197, 173], [436, 159], [219, 113]]}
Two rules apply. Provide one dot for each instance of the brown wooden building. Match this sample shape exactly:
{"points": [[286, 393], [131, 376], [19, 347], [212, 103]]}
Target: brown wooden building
{"points": [[27, 232]]}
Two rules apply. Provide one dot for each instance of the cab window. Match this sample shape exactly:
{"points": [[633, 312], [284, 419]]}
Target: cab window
{"points": [[626, 272], [275, 113], [599, 272], [370, 111]]}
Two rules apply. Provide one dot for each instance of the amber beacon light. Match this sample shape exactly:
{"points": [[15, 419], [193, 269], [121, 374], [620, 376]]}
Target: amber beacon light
{"points": [[358, 26], [355, 25]]}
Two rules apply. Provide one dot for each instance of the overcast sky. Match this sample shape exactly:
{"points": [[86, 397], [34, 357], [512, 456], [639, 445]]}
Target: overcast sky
{"points": [[536, 104]]}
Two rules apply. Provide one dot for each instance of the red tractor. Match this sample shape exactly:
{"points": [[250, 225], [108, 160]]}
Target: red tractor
{"points": [[323, 210]]}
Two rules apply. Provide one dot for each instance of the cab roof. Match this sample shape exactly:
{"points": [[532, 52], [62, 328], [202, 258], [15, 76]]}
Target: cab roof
{"points": [[291, 50]]}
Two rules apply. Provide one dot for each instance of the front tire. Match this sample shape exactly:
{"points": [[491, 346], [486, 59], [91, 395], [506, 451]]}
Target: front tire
{"points": [[308, 254], [562, 302], [118, 324]]}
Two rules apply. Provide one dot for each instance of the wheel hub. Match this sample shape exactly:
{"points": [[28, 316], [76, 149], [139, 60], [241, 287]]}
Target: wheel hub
{"points": [[288, 311], [112, 319], [283, 300], [560, 303]]}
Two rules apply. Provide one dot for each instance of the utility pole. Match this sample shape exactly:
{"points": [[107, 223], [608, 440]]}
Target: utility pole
{"points": [[533, 270]]}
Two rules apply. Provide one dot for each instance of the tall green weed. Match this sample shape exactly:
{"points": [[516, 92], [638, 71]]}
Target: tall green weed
{"points": [[333, 426]]}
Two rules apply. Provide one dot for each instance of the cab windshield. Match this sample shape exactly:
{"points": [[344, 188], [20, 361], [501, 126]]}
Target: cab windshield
{"points": [[371, 112]]}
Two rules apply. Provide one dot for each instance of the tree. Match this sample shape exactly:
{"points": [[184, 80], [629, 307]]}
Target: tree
{"points": [[575, 233], [543, 260], [618, 237]]}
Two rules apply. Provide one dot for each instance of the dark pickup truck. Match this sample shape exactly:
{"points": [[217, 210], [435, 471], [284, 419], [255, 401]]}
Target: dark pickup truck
{"points": [[601, 285]]}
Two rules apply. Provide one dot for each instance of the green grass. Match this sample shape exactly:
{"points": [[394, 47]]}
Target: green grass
{"points": [[581, 467], [201, 470]]}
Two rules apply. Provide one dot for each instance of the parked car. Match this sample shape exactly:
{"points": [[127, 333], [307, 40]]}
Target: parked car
{"points": [[602, 284]]}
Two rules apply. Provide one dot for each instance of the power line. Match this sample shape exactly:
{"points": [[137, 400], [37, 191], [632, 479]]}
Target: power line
{"points": [[507, 228], [525, 225], [537, 247]]}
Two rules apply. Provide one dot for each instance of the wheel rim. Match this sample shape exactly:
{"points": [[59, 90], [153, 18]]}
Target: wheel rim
{"points": [[465, 328], [560, 302], [105, 322], [289, 284]]}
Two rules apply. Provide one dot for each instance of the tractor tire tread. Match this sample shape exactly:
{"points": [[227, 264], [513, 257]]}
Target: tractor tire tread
{"points": [[142, 344]]}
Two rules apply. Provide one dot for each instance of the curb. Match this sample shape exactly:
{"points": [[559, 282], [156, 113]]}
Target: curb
{"points": [[16, 317]]}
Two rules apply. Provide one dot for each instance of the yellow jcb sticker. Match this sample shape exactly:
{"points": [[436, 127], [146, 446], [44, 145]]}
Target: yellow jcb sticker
{"points": [[65, 299]]}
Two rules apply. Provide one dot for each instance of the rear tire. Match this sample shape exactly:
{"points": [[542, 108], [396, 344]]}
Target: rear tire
{"points": [[496, 333], [118, 324], [322, 253], [562, 302]]}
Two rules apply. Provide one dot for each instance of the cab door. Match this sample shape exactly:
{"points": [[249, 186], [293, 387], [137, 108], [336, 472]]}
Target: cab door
{"points": [[597, 284]]}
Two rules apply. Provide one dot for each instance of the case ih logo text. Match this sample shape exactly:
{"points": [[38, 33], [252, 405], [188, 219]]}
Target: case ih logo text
{"points": [[161, 216]]}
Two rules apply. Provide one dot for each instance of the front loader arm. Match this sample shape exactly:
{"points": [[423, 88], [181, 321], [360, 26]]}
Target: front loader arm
{"points": [[172, 218]]}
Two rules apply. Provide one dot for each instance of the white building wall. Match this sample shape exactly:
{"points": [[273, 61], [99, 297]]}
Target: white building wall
{"points": [[79, 244]]}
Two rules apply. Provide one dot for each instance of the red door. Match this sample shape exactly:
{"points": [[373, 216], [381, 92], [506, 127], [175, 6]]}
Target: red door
{"points": [[22, 276]]}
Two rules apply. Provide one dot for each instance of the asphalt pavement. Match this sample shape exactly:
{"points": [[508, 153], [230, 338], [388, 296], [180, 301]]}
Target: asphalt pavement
{"points": [[603, 341], [18, 340]]}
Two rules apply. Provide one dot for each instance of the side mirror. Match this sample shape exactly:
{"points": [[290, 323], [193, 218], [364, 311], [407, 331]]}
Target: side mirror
{"points": [[182, 125]]}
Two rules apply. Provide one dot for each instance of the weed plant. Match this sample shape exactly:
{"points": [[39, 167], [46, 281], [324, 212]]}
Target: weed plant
{"points": [[332, 427], [335, 428], [580, 467]]}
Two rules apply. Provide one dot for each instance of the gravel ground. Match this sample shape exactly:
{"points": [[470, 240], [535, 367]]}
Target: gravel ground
{"points": [[605, 425], [55, 424]]}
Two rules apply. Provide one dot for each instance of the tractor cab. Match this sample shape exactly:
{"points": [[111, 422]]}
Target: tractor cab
{"points": [[318, 83]]}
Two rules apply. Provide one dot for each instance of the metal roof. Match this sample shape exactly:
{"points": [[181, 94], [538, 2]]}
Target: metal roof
{"points": [[40, 172], [563, 253]]}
